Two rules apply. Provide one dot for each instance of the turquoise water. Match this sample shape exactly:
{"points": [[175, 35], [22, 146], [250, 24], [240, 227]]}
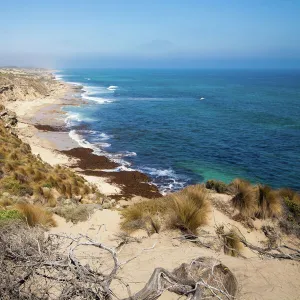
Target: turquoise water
{"points": [[247, 123]]}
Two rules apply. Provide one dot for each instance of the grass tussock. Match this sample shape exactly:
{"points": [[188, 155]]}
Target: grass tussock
{"points": [[35, 215], [232, 243], [4, 202], [269, 203], [216, 185], [186, 210], [144, 215], [245, 200], [190, 209], [255, 201], [237, 184]]}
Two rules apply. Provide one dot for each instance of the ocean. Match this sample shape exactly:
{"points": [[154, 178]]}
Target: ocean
{"points": [[187, 126]]}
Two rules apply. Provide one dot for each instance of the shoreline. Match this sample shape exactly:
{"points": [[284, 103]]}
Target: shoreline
{"points": [[42, 124]]}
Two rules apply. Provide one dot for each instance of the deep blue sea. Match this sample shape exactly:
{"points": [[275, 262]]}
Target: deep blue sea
{"points": [[188, 126]]}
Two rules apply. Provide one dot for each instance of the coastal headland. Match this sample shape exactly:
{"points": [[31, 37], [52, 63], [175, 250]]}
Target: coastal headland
{"points": [[83, 228]]}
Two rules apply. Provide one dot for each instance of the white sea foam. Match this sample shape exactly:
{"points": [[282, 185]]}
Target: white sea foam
{"points": [[112, 87], [104, 136], [58, 77], [160, 172], [96, 99], [72, 118], [165, 179], [82, 142]]}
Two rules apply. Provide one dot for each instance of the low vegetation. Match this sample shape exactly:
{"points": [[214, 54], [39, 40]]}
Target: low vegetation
{"points": [[186, 210], [24, 174], [35, 215], [10, 215], [232, 243], [74, 213], [216, 185]]}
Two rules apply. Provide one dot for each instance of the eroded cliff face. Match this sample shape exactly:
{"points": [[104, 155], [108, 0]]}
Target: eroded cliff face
{"points": [[16, 84]]}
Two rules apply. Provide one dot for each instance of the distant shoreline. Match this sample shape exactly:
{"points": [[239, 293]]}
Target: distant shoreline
{"points": [[42, 125]]}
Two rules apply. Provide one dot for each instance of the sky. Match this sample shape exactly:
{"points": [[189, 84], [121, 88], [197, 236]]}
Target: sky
{"points": [[137, 33]]}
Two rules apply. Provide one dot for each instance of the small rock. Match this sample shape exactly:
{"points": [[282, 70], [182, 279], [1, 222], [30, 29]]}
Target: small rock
{"points": [[118, 206], [77, 198], [106, 205], [92, 197], [176, 243]]}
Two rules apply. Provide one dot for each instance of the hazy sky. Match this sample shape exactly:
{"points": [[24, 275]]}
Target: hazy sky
{"points": [[137, 33]]}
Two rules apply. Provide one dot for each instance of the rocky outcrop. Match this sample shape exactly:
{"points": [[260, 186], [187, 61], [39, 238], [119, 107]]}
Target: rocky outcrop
{"points": [[16, 84], [8, 117]]}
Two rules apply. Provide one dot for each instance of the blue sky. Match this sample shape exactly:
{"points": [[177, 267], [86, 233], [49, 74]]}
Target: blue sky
{"points": [[153, 33]]}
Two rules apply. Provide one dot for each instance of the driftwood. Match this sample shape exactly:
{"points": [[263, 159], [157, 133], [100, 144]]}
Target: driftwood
{"points": [[33, 267], [203, 277], [273, 250]]}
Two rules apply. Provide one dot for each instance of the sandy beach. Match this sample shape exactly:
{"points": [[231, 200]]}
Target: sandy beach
{"points": [[41, 124]]}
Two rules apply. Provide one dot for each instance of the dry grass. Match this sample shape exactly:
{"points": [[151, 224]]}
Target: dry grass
{"points": [[269, 203], [190, 209], [36, 215], [22, 173], [144, 215], [237, 184], [185, 210], [245, 200], [232, 243], [4, 202]]}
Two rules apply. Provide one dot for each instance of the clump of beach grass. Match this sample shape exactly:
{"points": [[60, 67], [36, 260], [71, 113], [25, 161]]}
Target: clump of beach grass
{"points": [[232, 243], [35, 215], [245, 200], [269, 203], [185, 210], [190, 209], [216, 185]]}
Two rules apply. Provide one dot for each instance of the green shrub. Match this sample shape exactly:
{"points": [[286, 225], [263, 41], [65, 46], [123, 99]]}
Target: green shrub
{"points": [[218, 186], [293, 207], [9, 215], [74, 213], [14, 187]]}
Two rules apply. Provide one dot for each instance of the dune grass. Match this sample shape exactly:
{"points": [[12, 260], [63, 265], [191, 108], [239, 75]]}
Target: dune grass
{"points": [[35, 215], [216, 185], [245, 200], [232, 243], [255, 201], [185, 210], [269, 203], [25, 174], [190, 209]]}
